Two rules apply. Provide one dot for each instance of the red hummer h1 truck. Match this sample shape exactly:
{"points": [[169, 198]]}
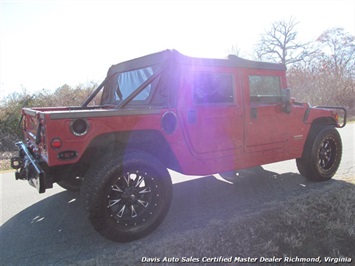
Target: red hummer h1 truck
{"points": [[196, 116]]}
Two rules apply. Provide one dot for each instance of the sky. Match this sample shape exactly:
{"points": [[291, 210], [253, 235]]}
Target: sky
{"points": [[46, 44]]}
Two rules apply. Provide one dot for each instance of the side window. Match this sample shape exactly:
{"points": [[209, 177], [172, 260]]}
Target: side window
{"points": [[210, 88], [264, 88], [120, 85], [129, 81]]}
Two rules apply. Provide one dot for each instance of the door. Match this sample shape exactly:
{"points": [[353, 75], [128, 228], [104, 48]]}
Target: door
{"points": [[211, 111], [266, 122]]}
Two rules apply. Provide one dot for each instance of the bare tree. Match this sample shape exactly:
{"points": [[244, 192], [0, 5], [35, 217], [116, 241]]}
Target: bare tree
{"points": [[337, 49], [278, 44], [328, 75]]}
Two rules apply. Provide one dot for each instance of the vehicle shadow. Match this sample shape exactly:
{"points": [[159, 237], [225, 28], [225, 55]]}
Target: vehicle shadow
{"points": [[196, 203], [56, 231]]}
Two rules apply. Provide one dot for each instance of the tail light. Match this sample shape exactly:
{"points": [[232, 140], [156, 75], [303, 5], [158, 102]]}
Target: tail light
{"points": [[56, 143]]}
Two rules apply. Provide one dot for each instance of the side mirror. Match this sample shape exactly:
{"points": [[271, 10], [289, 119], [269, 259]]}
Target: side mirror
{"points": [[286, 95]]}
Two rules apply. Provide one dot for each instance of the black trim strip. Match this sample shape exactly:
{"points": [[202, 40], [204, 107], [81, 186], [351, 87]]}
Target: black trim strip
{"points": [[101, 113], [38, 134]]}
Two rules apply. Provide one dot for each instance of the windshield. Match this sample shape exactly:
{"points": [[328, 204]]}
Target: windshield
{"points": [[121, 85]]}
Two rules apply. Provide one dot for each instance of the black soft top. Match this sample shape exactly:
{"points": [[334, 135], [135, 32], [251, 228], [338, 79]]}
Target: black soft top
{"points": [[175, 57]]}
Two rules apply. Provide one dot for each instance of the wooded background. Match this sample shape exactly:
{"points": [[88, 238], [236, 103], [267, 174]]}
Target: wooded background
{"points": [[321, 72]]}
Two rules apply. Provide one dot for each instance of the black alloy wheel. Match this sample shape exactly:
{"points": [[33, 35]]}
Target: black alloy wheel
{"points": [[132, 198], [327, 154], [127, 196]]}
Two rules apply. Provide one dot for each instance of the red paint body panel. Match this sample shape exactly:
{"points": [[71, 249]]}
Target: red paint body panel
{"points": [[207, 138]]}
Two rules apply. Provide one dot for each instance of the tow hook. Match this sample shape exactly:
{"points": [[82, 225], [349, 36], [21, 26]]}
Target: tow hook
{"points": [[16, 162], [28, 168]]}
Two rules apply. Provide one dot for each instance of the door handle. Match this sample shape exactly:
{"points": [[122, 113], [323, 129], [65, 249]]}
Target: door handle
{"points": [[254, 112], [191, 116]]}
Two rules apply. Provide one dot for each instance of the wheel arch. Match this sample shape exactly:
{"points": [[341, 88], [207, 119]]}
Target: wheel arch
{"points": [[316, 125], [324, 121], [149, 141]]}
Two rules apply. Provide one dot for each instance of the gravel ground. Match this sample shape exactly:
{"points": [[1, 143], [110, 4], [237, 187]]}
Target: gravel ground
{"points": [[5, 159]]}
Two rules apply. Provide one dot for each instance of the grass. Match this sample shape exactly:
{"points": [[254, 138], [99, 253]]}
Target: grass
{"points": [[319, 224]]}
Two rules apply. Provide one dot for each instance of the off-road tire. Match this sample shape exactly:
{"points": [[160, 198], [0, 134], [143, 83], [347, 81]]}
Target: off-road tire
{"points": [[321, 154], [127, 196], [70, 184]]}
